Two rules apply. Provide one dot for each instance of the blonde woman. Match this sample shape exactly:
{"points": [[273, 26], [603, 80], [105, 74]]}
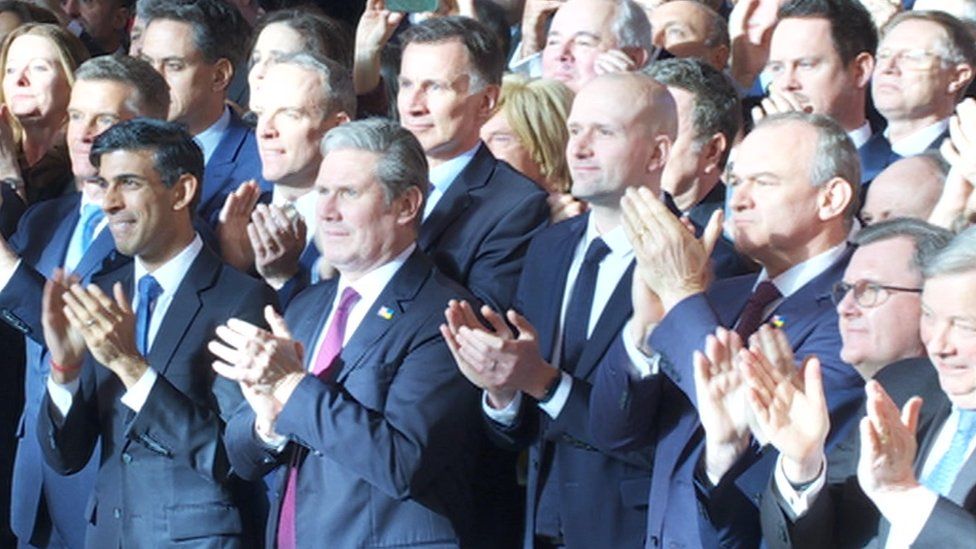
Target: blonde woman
{"points": [[528, 130]]}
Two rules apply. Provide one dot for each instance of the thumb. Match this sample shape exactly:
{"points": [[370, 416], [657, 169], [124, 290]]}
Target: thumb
{"points": [[121, 298], [276, 322], [910, 413], [525, 328], [813, 382], [713, 231]]}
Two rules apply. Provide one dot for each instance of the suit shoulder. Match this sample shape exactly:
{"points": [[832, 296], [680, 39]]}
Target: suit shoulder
{"points": [[506, 182], [234, 282]]}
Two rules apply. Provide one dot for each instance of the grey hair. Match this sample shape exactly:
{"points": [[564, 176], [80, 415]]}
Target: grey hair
{"points": [[150, 95], [402, 162], [338, 93], [958, 257], [835, 155], [956, 47], [631, 27], [927, 239]]}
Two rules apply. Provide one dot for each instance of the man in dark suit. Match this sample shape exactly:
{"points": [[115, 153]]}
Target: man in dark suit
{"points": [[480, 213], [792, 216], [917, 93], [197, 45], [708, 114], [369, 431], [52, 235], [135, 376], [574, 293], [843, 501], [301, 98]]}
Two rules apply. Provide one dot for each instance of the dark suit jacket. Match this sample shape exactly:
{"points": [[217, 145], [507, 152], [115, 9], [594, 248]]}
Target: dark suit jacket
{"points": [[562, 450], [480, 229], [383, 440], [234, 161], [164, 477], [41, 241], [660, 411], [876, 155], [842, 515]]}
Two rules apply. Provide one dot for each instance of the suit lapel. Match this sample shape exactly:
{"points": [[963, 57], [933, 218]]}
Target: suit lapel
{"points": [[308, 327], [183, 309], [54, 253], [222, 159], [395, 297], [610, 323], [555, 275], [97, 253], [456, 200]]}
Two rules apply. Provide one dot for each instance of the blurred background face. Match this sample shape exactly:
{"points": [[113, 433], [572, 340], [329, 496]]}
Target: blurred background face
{"points": [[275, 41], [948, 330], [95, 106], [506, 145], [579, 33], [34, 84]]}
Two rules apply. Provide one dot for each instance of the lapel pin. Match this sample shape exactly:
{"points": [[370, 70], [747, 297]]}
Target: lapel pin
{"points": [[385, 313], [778, 321]]}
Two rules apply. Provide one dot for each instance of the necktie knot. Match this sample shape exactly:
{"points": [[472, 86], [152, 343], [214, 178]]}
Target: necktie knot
{"points": [[752, 315], [347, 300], [596, 251], [149, 289]]}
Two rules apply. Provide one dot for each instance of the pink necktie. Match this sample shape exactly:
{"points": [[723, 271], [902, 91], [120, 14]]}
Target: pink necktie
{"points": [[330, 349]]}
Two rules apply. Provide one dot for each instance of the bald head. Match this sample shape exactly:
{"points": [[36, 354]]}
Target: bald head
{"points": [[620, 142], [908, 188]]}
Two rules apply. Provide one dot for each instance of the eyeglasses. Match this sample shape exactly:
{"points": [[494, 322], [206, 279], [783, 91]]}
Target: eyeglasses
{"points": [[912, 58], [866, 293]]}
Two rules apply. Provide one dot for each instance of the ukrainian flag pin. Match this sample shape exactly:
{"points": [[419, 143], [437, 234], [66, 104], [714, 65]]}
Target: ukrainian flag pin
{"points": [[778, 321], [385, 313]]}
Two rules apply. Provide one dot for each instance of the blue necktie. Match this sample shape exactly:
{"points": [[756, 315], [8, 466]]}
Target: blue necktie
{"points": [[148, 290], [577, 322], [944, 475], [91, 216]]}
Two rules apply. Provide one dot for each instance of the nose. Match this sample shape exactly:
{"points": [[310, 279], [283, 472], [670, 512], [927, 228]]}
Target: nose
{"points": [[787, 80], [741, 198], [325, 207], [939, 342], [71, 7], [566, 50], [111, 199], [579, 145], [415, 100], [848, 305], [266, 128]]}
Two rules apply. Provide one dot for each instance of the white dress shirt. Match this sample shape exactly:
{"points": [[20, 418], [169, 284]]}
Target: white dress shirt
{"points": [[612, 269], [861, 135], [919, 141], [169, 276]]}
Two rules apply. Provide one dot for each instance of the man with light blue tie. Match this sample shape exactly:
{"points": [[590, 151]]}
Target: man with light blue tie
{"points": [[66, 232], [135, 377]]}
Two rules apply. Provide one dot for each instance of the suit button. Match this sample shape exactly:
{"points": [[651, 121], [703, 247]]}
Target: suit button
{"points": [[117, 513], [126, 458]]}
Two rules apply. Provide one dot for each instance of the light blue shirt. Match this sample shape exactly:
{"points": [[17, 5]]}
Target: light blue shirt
{"points": [[209, 138], [442, 176]]}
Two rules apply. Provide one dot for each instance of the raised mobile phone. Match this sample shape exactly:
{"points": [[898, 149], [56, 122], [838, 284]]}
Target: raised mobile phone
{"points": [[412, 6]]}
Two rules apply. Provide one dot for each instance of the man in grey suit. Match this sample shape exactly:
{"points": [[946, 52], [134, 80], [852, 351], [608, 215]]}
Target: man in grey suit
{"points": [[353, 397]]}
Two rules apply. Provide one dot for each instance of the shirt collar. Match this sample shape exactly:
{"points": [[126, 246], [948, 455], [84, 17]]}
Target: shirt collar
{"points": [[209, 138], [919, 141], [370, 285], [798, 275], [441, 176], [171, 273], [860, 135], [616, 239]]}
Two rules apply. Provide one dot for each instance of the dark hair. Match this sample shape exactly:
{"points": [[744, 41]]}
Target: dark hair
{"points": [[321, 34], [174, 151], [928, 239], [219, 30], [484, 53], [27, 12], [851, 27], [717, 107], [151, 93]]}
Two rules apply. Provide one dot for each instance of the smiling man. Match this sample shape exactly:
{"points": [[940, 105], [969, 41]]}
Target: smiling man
{"points": [[132, 373], [66, 232]]}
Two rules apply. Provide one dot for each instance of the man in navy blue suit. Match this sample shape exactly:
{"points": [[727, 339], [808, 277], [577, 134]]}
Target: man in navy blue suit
{"points": [[67, 233], [480, 213], [573, 299], [791, 213], [197, 45], [132, 372], [924, 64], [301, 98], [361, 411]]}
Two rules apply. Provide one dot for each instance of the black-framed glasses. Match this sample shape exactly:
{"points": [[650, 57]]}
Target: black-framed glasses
{"points": [[866, 293]]}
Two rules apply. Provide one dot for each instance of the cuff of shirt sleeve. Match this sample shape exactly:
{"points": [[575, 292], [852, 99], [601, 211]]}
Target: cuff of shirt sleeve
{"points": [[908, 515], [641, 365], [275, 443], [505, 416], [5, 276], [797, 501], [62, 395], [559, 398], [135, 397]]}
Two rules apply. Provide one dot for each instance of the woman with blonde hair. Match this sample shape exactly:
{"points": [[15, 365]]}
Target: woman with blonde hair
{"points": [[38, 61], [528, 130]]}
